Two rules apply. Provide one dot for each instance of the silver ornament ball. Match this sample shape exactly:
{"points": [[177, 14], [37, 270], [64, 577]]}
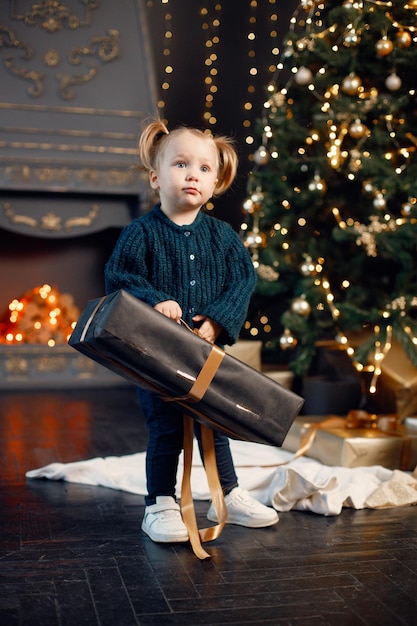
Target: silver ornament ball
{"points": [[300, 306]]}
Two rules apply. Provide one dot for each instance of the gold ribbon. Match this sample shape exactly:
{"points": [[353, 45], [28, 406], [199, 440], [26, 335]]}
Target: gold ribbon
{"points": [[387, 424], [196, 393], [187, 506], [204, 378]]}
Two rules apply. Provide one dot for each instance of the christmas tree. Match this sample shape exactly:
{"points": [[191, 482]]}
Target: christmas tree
{"points": [[331, 210]]}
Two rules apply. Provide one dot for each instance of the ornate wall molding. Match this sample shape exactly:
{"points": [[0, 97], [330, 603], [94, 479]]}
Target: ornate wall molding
{"points": [[53, 16], [77, 79], [105, 48], [51, 221]]}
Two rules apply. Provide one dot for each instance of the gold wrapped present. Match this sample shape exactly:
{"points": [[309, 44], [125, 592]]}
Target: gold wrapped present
{"points": [[397, 387], [248, 351], [359, 440]]}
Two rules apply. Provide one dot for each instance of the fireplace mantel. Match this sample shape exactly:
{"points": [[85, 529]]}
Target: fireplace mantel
{"points": [[77, 79]]}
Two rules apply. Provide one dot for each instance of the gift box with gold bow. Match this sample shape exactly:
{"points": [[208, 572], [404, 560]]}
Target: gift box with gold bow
{"points": [[360, 439], [139, 343]]}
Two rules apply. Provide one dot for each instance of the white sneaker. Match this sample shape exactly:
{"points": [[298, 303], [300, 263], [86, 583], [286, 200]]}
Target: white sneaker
{"points": [[244, 510], [163, 523]]}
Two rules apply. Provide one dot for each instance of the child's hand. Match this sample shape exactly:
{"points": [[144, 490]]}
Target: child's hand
{"points": [[170, 308], [208, 330]]}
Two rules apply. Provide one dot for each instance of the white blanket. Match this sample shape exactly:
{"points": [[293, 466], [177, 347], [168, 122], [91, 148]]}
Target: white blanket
{"points": [[302, 484]]}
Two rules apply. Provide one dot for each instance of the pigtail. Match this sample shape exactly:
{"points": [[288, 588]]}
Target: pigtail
{"points": [[228, 163], [149, 142]]}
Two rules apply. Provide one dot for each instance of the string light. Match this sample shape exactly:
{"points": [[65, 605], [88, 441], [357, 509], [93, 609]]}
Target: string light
{"points": [[252, 70], [344, 138], [168, 67], [253, 66], [211, 24], [211, 27], [381, 348]]}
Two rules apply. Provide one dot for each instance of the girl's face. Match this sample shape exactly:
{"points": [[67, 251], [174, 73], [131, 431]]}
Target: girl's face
{"points": [[186, 173]]}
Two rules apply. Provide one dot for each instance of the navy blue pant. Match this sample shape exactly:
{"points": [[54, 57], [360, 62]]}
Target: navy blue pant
{"points": [[165, 428]]}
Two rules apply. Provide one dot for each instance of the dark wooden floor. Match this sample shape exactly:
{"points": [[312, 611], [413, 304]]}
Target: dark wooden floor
{"points": [[73, 555]]}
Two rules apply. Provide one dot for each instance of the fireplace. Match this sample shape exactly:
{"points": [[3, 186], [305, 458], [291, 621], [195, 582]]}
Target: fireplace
{"points": [[77, 81], [71, 264]]}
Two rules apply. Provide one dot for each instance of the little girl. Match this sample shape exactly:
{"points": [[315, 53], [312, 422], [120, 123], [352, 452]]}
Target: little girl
{"points": [[190, 266]]}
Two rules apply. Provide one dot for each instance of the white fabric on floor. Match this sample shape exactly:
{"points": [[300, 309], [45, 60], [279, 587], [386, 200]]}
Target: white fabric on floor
{"points": [[302, 484]]}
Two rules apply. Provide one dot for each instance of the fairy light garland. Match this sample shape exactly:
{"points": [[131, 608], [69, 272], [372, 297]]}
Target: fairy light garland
{"points": [[168, 68], [253, 65], [211, 27], [252, 70], [302, 37]]}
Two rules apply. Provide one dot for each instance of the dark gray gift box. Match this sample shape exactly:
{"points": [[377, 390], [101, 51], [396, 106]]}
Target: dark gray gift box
{"points": [[132, 339]]}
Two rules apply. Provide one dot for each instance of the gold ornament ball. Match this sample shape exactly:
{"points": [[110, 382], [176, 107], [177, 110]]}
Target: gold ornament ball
{"points": [[287, 341], [300, 306], [357, 129], [307, 5], [384, 47], [351, 84], [403, 39], [406, 209]]}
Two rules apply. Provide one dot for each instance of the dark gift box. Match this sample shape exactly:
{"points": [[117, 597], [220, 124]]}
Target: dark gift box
{"points": [[132, 339]]}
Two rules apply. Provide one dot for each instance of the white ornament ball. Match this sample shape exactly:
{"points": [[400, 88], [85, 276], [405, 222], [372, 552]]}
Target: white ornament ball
{"points": [[368, 187], [304, 76], [300, 306], [287, 340], [393, 82], [380, 202], [261, 156], [307, 267]]}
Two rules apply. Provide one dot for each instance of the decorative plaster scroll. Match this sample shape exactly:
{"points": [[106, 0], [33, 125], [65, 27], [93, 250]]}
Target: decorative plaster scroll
{"points": [[19, 219], [51, 221], [9, 40], [52, 15], [106, 47], [65, 81]]}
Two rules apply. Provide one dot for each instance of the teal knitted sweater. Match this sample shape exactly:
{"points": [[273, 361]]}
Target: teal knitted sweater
{"points": [[203, 266]]}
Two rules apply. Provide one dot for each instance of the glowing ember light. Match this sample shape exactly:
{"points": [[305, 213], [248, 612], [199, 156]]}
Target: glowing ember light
{"points": [[40, 316]]}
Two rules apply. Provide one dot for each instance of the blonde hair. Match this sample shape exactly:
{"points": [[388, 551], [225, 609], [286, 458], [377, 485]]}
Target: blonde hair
{"points": [[155, 137]]}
